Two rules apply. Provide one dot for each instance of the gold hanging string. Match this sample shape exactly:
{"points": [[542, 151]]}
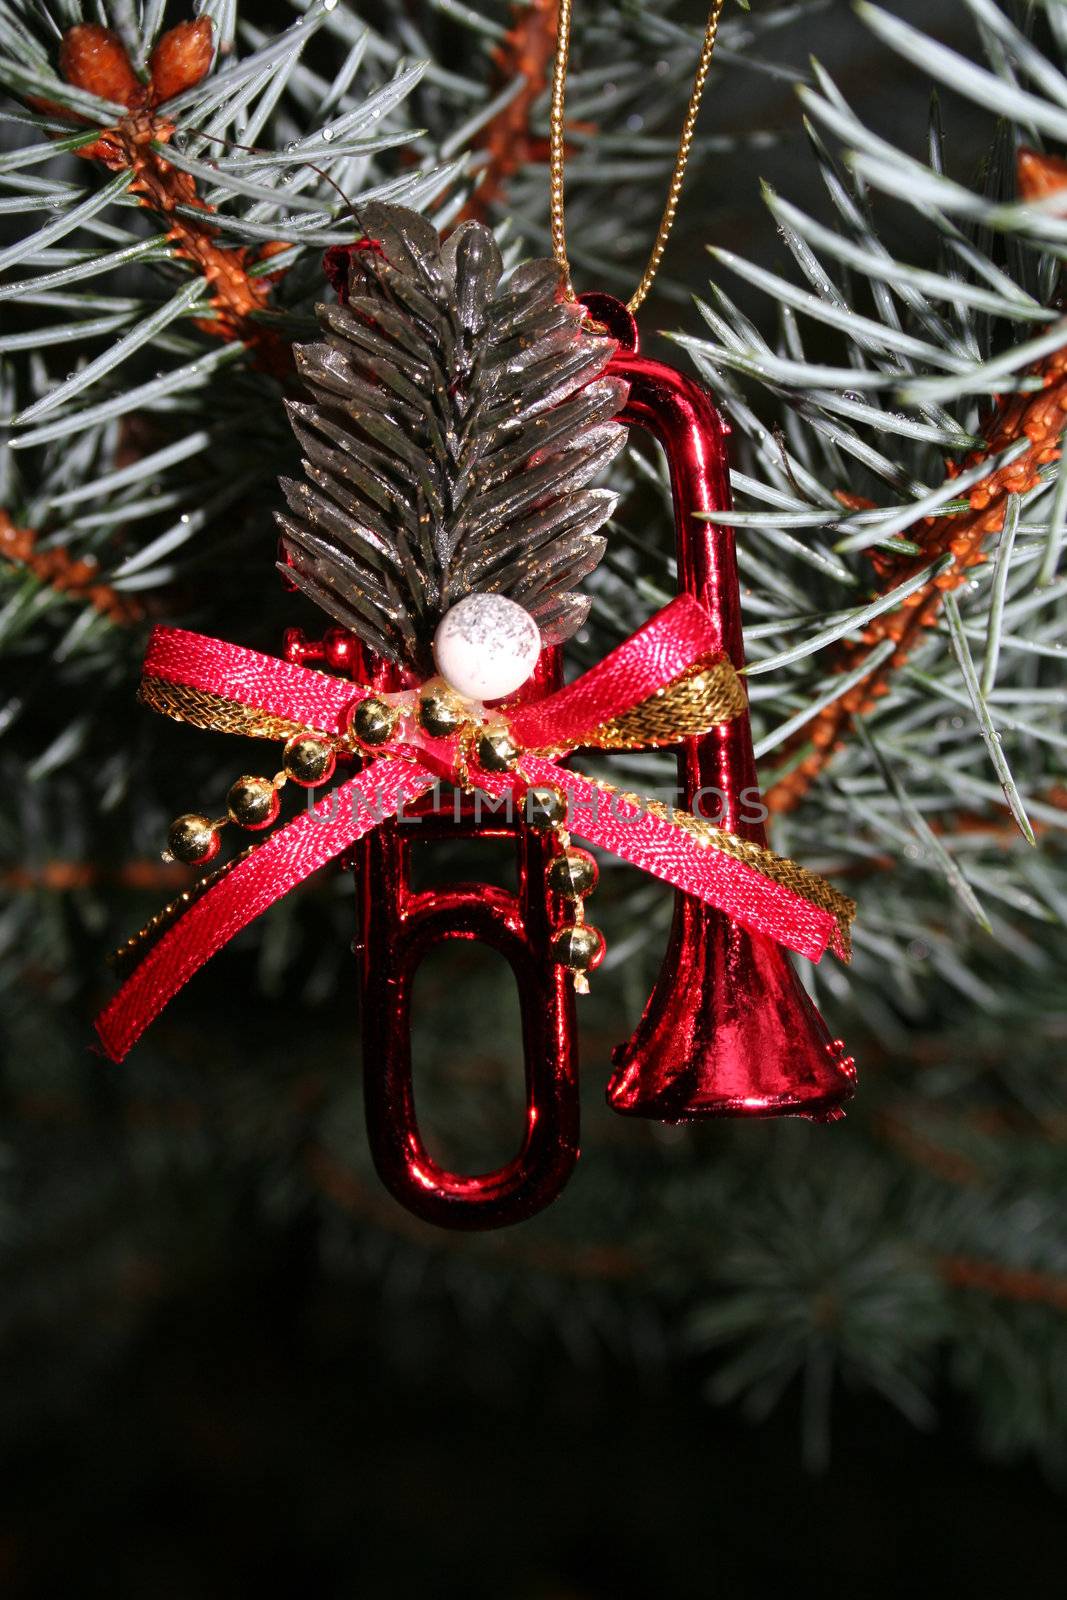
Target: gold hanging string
{"points": [[681, 160]]}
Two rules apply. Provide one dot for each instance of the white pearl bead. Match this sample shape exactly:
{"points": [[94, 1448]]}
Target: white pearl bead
{"points": [[486, 646]]}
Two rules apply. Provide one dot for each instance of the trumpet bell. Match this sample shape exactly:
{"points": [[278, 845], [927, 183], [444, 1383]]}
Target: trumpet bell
{"points": [[733, 1034]]}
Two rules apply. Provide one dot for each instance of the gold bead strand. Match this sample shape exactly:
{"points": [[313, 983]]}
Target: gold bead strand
{"points": [[577, 945], [253, 803], [139, 944]]}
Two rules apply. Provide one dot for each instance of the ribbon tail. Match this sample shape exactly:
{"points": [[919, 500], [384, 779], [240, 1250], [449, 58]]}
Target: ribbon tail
{"points": [[704, 867], [289, 856]]}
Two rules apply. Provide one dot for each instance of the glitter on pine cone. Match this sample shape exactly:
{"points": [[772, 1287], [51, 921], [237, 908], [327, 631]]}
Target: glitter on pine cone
{"points": [[486, 477]]}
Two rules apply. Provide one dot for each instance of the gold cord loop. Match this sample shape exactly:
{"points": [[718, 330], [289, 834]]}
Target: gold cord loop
{"points": [[681, 160]]}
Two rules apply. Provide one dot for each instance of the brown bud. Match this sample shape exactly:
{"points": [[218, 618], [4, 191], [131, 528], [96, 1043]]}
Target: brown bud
{"points": [[1039, 175], [181, 58], [94, 59]]}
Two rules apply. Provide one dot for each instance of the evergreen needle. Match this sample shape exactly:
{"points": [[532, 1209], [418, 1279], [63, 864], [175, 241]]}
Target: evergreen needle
{"points": [[962, 652]]}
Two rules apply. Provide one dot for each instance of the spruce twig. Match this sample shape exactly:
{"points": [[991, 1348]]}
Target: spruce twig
{"points": [[1039, 419]]}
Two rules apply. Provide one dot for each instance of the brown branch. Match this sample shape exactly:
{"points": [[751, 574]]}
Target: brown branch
{"points": [[237, 296], [920, 1147], [342, 1186], [371, 1206], [59, 877], [73, 575], [617, 1264], [1021, 1284], [1039, 417], [525, 52], [93, 58]]}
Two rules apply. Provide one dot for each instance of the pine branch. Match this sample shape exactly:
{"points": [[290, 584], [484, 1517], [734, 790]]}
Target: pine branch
{"points": [[928, 348], [522, 62], [1038, 418], [69, 575], [183, 86], [343, 1188], [94, 60]]}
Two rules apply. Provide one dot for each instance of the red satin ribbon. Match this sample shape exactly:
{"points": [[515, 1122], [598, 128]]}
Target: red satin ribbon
{"points": [[666, 646], [299, 694], [286, 859], [674, 640]]}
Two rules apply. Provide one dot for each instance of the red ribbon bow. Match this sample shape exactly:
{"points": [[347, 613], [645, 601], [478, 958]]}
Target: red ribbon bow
{"points": [[697, 860]]}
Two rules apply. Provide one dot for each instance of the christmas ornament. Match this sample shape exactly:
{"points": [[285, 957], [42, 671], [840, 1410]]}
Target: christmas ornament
{"points": [[457, 417], [729, 1029]]}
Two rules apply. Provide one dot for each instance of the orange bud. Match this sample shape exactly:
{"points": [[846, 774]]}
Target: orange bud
{"points": [[181, 58], [95, 59], [273, 247], [1038, 175], [853, 502]]}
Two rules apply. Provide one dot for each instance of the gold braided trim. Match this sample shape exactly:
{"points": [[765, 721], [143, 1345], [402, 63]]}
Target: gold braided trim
{"points": [[705, 695], [779, 869], [138, 945], [202, 709]]}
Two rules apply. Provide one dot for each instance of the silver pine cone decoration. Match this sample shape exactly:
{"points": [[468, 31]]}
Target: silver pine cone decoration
{"points": [[455, 423]]}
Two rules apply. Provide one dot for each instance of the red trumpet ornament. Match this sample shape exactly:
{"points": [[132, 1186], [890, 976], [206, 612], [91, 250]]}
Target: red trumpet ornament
{"points": [[729, 1030], [457, 418], [399, 927]]}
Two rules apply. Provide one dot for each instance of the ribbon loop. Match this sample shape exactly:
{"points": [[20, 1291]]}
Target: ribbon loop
{"points": [[190, 674], [708, 694], [676, 641]]}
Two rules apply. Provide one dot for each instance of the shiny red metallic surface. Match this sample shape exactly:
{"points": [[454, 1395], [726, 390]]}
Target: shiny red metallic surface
{"points": [[728, 1029], [398, 928], [338, 649]]}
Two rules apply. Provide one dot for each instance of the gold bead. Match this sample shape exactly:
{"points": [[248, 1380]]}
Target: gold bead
{"points": [[545, 807], [497, 751], [578, 947], [374, 721], [308, 760], [439, 715], [192, 839], [573, 874], [253, 802]]}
